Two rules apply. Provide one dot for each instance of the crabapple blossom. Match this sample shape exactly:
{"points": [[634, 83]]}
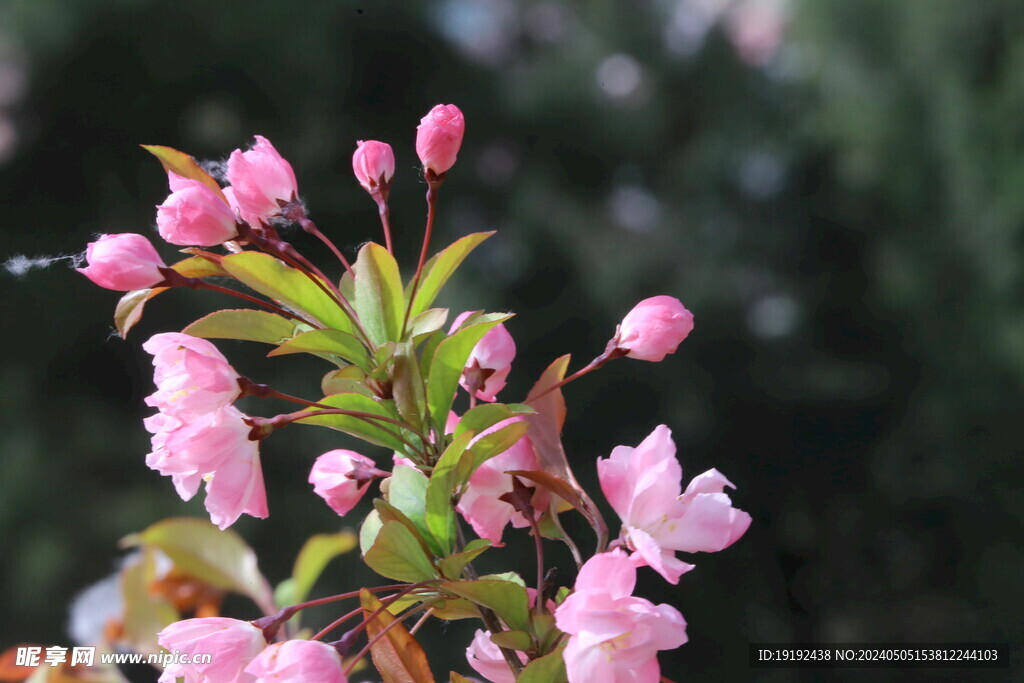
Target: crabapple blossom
{"points": [[439, 136], [231, 644], [214, 447], [654, 328], [123, 262], [298, 661], [193, 214], [643, 485], [615, 637], [490, 362], [191, 376], [486, 659], [341, 478], [480, 504], [260, 180], [373, 163]]}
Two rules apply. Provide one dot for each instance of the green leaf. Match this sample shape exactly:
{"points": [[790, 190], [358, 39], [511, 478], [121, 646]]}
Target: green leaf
{"points": [[145, 613], [407, 386], [311, 561], [396, 655], [218, 557], [407, 491], [449, 360], [397, 555], [129, 308], [487, 415], [442, 483], [334, 342], [513, 640], [379, 299], [497, 442], [345, 380], [273, 278], [438, 269], [374, 431], [369, 530], [451, 567], [389, 513], [547, 669], [182, 164], [197, 266], [245, 324], [507, 599], [427, 322]]}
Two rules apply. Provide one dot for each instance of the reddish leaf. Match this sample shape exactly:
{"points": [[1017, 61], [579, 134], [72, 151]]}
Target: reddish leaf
{"points": [[546, 435], [397, 655]]}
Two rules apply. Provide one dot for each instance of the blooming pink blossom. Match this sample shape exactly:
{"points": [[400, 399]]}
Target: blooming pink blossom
{"points": [[486, 659], [123, 262], [373, 163], [490, 362], [341, 478], [214, 447], [191, 376], [643, 486], [231, 644], [260, 179], [298, 661], [615, 637], [655, 328], [194, 215], [480, 504], [439, 136]]}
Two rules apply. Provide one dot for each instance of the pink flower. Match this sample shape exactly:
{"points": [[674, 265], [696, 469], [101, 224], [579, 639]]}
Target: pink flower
{"points": [[374, 164], [480, 504], [655, 328], [298, 661], [486, 659], [439, 136], [123, 262], [643, 486], [214, 447], [341, 478], [490, 362], [615, 637], [231, 644], [194, 215], [260, 179], [191, 376]]}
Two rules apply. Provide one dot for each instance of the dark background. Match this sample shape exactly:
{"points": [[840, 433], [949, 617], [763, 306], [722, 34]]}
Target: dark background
{"points": [[834, 187]]}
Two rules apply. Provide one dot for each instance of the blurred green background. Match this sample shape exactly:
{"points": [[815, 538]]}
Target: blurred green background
{"points": [[834, 187]]}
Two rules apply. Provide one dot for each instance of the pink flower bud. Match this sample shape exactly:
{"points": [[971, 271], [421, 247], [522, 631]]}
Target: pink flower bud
{"points": [[298, 661], [490, 362], [194, 215], [655, 328], [341, 478], [439, 136], [191, 375], [123, 262], [486, 659], [231, 644], [213, 447], [260, 179], [373, 163]]}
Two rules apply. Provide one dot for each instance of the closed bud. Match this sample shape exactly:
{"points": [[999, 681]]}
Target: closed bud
{"points": [[374, 164], [260, 180], [654, 328], [123, 262], [194, 215], [439, 136]]}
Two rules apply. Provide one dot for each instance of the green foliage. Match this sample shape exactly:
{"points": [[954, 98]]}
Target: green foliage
{"points": [[245, 324], [332, 342], [508, 599], [397, 554], [379, 301], [441, 267]]}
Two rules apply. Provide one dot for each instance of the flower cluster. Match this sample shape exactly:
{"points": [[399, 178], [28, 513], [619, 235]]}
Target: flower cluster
{"points": [[423, 390]]}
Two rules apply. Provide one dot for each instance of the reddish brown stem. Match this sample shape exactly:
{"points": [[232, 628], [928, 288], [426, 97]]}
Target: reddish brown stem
{"points": [[433, 183]]}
